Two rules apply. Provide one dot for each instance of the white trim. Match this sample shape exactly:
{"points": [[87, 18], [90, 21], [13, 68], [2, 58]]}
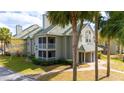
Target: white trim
{"points": [[91, 58], [84, 57], [65, 47]]}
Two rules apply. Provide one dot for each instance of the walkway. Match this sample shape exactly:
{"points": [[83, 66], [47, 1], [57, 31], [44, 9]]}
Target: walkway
{"points": [[8, 75], [91, 67]]}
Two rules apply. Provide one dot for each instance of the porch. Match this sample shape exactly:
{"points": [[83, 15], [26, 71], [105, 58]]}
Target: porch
{"points": [[84, 57]]}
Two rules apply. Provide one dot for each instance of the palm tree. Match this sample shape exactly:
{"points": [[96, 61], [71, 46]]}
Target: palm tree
{"points": [[96, 46], [110, 30], [64, 18], [5, 37]]}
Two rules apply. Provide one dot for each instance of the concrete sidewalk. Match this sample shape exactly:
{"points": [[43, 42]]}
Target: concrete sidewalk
{"points": [[8, 75], [91, 67]]}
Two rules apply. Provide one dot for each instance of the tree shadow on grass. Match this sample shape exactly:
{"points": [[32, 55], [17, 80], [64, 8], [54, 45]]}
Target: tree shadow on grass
{"points": [[49, 76], [103, 77]]}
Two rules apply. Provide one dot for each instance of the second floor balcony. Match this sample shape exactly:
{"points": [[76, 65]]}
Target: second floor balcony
{"points": [[47, 43], [45, 46], [42, 46]]}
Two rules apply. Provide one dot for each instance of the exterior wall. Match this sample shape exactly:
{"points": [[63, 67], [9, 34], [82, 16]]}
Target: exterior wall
{"points": [[33, 46], [64, 44], [59, 48], [69, 47], [28, 46], [36, 49], [63, 49], [30, 43], [82, 37]]}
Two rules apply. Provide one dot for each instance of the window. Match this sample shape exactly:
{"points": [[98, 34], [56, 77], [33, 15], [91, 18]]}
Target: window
{"points": [[51, 54], [42, 53], [51, 42], [42, 40], [51, 39], [88, 36]]}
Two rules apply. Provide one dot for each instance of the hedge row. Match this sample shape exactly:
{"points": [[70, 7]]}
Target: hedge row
{"points": [[48, 63]]}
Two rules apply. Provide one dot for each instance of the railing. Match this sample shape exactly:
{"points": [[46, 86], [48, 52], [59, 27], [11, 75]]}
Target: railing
{"points": [[51, 45], [42, 46], [49, 59]]}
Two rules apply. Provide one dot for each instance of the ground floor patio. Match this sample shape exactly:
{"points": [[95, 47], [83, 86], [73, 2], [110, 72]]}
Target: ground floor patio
{"points": [[86, 57]]}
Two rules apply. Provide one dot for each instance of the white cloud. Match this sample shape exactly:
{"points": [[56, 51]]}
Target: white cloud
{"points": [[11, 19]]}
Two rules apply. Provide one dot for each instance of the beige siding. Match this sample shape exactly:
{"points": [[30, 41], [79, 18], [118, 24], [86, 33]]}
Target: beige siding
{"points": [[69, 47], [83, 37]]}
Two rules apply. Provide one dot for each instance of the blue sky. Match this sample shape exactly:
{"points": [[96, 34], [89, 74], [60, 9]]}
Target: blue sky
{"points": [[10, 19]]}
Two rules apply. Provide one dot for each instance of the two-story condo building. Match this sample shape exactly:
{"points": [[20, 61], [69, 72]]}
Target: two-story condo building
{"points": [[54, 42]]}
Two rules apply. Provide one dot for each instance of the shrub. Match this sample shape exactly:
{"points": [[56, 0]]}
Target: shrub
{"points": [[36, 61], [7, 54], [99, 55], [49, 62], [31, 56]]}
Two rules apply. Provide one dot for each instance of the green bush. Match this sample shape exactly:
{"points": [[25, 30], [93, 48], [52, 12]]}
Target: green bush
{"points": [[7, 54], [99, 55], [36, 61], [31, 57], [50, 62]]}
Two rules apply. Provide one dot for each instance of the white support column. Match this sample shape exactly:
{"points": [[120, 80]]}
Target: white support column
{"points": [[91, 57], [47, 55], [94, 56], [84, 58], [77, 57], [65, 47], [81, 57], [46, 48]]}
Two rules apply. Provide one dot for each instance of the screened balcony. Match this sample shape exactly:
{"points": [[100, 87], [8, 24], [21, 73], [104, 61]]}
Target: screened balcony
{"points": [[46, 42]]}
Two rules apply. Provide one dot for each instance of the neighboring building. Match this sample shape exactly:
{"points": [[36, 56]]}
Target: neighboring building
{"points": [[27, 35], [116, 48], [54, 42]]}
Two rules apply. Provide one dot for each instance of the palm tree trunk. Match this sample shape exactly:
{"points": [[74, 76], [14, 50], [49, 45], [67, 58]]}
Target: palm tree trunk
{"points": [[108, 58], [74, 44], [2, 46], [96, 47]]}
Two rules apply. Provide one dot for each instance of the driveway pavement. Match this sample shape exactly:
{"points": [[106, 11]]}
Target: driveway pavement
{"points": [[8, 75]]}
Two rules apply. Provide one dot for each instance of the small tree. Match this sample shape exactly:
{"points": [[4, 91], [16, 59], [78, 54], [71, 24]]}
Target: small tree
{"points": [[5, 37]]}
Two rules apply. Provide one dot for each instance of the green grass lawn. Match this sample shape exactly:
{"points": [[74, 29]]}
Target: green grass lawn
{"points": [[24, 66], [21, 65], [82, 76], [116, 63]]}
